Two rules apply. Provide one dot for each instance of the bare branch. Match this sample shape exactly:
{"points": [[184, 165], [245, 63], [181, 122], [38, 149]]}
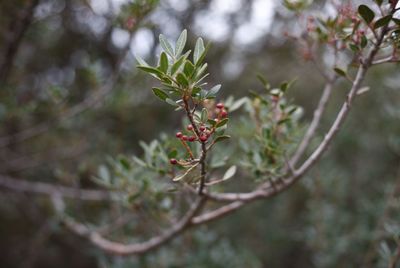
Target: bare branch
{"points": [[311, 130], [136, 248]]}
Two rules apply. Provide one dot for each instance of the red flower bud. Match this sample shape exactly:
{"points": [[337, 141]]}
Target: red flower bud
{"points": [[220, 105], [179, 135], [203, 138]]}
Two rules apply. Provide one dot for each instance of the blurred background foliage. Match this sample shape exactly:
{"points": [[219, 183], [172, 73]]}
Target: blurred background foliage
{"points": [[70, 96]]}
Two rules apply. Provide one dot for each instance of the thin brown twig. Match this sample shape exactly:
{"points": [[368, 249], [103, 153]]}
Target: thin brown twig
{"points": [[316, 121]]}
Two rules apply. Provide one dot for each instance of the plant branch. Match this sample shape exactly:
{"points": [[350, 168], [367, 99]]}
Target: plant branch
{"points": [[202, 160], [116, 248], [311, 130]]}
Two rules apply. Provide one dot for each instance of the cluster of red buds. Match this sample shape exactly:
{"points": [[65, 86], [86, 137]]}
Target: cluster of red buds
{"points": [[200, 132]]}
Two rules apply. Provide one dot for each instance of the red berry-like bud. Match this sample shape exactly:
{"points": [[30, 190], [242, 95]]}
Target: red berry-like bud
{"points": [[190, 127], [178, 135], [224, 113], [220, 105], [202, 128], [203, 138], [184, 137], [192, 138], [173, 161]]}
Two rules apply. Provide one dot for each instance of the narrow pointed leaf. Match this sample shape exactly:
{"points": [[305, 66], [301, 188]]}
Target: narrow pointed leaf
{"points": [[151, 70], [222, 123], [182, 79], [160, 93], [198, 50], [166, 46], [182, 176], [202, 55], [213, 92], [204, 115], [382, 21], [180, 43], [229, 173], [222, 138], [340, 71], [141, 61], [163, 64]]}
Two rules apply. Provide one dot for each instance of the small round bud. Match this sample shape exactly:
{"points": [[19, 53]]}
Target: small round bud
{"points": [[190, 127], [178, 135], [192, 138], [184, 137], [220, 105], [173, 161], [224, 113], [202, 128], [203, 138]]}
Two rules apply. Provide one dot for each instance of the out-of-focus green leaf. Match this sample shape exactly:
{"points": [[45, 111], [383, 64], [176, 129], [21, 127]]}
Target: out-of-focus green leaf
{"points": [[366, 13]]}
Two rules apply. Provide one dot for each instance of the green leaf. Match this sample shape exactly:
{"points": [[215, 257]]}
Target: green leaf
{"points": [[166, 46], [141, 61], [171, 102], [222, 138], [354, 47], [202, 55], [366, 13], [211, 122], [379, 2], [181, 78], [173, 154], [204, 115], [151, 70], [263, 81], [195, 90], [284, 120], [340, 72], [237, 104], [163, 63], [397, 21], [160, 93], [125, 163], [213, 91], [188, 69], [364, 41], [180, 43], [382, 21], [222, 123], [199, 72], [177, 64], [198, 50], [182, 176], [229, 173], [139, 161]]}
